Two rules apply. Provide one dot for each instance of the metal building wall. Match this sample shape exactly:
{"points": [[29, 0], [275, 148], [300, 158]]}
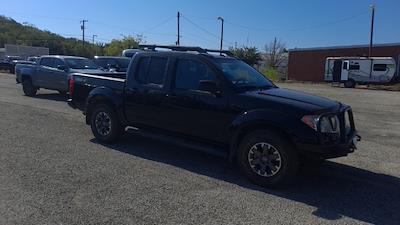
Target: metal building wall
{"points": [[25, 51]]}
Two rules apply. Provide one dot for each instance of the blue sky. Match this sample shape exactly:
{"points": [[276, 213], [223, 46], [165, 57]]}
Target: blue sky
{"points": [[303, 23]]}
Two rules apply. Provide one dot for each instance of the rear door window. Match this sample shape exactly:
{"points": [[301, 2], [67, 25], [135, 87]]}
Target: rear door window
{"points": [[157, 69], [141, 70], [151, 70]]}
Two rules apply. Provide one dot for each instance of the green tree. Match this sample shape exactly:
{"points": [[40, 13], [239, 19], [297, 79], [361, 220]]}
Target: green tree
{"points": [[116, 47], [250, 55], [12, 32]]}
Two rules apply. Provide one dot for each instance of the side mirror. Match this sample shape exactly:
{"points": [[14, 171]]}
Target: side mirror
{"points": [[62, 67], [209, 86]]}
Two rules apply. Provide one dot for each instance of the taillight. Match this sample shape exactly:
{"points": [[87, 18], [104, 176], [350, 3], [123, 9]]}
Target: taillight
{"points": [[71, 86]]}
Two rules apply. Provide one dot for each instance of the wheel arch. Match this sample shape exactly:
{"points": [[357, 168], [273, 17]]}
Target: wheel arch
{"points": [[257, 120], [25, 77], [103, 95]]}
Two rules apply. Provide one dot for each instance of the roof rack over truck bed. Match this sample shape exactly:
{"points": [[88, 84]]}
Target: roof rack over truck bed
{"points": [[185, 49]]}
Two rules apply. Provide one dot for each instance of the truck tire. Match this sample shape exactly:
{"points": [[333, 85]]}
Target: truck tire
{"points": [[267, 159], [28, 88], [105, 124], [349, 83]]}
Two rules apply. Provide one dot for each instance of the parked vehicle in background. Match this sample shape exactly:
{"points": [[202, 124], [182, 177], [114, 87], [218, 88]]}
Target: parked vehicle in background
{"points": [[52, 72], [34, 59], [20, 62], [8, 63], [11, 58], [4, 65], [112, 63], [218, 104], [130, 52], [360, 70]]}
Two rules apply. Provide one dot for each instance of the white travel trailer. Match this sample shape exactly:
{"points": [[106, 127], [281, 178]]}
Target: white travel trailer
{"points": [[360, 70]]}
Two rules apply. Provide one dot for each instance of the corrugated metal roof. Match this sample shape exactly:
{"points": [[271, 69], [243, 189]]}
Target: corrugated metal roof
{"points": [[343, 47]]}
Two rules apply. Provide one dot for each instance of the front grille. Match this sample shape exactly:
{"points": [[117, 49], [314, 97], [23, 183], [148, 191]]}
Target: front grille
{"points": [[347, 124]]}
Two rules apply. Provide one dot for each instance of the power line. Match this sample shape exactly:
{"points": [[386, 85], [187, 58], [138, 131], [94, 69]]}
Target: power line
{"points": [[204, 30], [161, 24], [43, 16], [199, 27], [299, 28], [96, 22]]}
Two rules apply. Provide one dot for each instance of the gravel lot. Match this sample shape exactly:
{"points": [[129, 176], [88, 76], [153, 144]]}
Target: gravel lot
{"points": [[52, 171]]}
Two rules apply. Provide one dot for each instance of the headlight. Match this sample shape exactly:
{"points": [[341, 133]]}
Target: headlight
{"points": [[311, 121], [328, 124]]}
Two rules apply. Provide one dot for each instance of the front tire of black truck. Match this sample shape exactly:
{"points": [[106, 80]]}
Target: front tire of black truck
{"points": [[267, 159], [105, 124]]}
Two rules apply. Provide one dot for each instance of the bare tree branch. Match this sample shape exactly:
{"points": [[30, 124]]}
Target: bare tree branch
{"points": [[275, 53]]}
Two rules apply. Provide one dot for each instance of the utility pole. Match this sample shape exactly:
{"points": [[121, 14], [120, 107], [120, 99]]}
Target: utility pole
{"points": [[94, 47], [372, 30], [179, 35], [94, 35], [222, 32], [83, 31]]}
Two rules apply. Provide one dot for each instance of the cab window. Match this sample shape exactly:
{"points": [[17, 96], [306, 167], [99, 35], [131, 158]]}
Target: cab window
{"points": [[57, 63], [46, 62]]}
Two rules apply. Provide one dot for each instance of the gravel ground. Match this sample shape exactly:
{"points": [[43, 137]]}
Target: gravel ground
{"points": [[52, 171]]}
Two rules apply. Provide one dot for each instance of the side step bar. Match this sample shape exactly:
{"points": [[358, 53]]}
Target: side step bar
{"points": [[220, 152]]}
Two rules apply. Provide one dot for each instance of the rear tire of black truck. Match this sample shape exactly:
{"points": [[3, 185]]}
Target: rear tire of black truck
{"points": [[105, 124], [28, 88], [267, 159]]}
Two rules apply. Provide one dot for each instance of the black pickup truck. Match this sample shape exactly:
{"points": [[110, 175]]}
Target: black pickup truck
{"points": [[215, 102]]}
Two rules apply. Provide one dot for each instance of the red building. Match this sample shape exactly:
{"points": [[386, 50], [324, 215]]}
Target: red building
{"points": [[308, 64]]}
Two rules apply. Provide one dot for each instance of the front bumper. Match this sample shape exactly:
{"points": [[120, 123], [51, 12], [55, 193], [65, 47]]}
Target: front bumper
{"points": [[332, 145], [326, 151]]}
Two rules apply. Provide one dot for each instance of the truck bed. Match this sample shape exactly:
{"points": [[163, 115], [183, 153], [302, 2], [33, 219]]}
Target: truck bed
{"points": [[85, 83]]}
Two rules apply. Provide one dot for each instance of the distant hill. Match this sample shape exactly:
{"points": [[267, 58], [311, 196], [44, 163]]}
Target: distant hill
{"points": [[12, 32]]}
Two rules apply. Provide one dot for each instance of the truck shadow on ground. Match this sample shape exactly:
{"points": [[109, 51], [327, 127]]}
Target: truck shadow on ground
{"points": [[336, 190], [52, 96]]}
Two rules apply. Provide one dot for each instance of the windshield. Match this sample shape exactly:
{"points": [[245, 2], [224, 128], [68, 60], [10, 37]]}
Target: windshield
{"points": [[78, 63], [243, 75], [121, 63]]}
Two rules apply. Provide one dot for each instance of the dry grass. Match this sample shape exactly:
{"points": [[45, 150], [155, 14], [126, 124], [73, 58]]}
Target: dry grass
{"points": [[392, 87]]}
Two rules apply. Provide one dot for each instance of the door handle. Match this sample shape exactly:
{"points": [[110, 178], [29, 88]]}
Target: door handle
{"points": [[170, 96]]}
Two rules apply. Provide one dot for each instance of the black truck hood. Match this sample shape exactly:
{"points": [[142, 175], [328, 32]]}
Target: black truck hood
{"points": [[300, 99]]}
